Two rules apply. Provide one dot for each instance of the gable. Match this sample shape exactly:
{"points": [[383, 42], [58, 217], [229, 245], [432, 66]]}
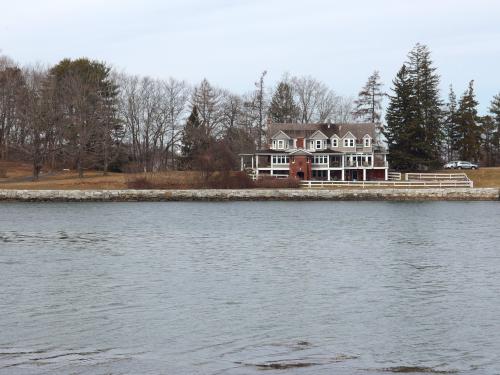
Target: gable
{"points": [[280, 135], [318, 134], [348, 135]]}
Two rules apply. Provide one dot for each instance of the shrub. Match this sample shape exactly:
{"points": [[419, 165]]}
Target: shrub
{"points": [[238, 180], [269, 182], [194, 180]]}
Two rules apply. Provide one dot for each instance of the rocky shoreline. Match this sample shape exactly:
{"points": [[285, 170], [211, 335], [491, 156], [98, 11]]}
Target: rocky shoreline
{"points": [[448, 194]]}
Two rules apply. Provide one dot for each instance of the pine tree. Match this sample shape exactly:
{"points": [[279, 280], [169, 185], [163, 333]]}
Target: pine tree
{"points": [[488, 140], [369, 103], [283, 108], [469, 133], [425, 82], [495, 111], [414, 116], [194, 139], [450, 134], [402, 127]]}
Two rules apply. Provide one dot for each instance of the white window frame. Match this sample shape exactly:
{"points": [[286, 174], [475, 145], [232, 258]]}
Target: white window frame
{"points": [[318, 144], [335, 142], [348, 142], [281, 144], [367, 142], [320, 159], [280, 159]]}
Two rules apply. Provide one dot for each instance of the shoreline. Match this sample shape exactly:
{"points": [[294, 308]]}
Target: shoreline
{"points": [[204, 195]]}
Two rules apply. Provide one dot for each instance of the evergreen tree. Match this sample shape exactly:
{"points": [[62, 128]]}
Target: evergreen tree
{"points": [[402, 127], [469, 133], [495, 111], [414, 116], [194, 139], [425, 82], [488, 154], [283, 108], [450, 134], [369, 103]]}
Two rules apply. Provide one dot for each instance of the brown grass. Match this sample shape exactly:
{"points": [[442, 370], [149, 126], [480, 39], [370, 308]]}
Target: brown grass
{"points": [[14, 175], [194, 180], [482, 177]]}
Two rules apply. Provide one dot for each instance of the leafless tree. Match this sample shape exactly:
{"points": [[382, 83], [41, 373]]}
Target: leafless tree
{"points": [[260, 102], [316, 101], [174, 107], [343, 113], [210, 103], [12, 86]]}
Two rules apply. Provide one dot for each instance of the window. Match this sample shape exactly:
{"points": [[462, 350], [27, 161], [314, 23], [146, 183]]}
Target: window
{"points": [[348, 142], [367, 142], [335, 142], [274, 143], [320, 159], [319, 144], [280, 159], [281, 143]]}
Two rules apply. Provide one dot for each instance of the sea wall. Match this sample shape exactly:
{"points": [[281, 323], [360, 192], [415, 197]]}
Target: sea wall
{"points": [[448, 194]]}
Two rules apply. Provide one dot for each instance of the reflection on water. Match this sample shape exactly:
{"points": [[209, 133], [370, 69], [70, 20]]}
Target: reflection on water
{"points": [[241, 288]]}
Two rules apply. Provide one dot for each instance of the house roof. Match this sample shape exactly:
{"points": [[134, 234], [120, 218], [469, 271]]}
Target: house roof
{"points": [[359, 130]]}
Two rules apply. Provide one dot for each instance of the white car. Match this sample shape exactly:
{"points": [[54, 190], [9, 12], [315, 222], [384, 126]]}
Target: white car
{"points": [[450, 165], [466, 165]]}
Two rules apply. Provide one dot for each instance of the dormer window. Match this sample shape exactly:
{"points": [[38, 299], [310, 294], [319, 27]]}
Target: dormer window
{"points": [[281, 144], [367, 142], [319, 144], [348, 142], [335, 142]]}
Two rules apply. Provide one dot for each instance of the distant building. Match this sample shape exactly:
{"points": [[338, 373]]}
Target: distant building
{"points": [[342, 152]]}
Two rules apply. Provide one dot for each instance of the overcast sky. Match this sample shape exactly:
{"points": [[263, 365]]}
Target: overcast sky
{"points": [[231, 41]]}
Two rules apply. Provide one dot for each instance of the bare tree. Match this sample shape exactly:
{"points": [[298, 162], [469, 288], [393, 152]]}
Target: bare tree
{"points": [[316, 101], [210, 103], [36, 117], [343, 112], [174, 107], [260, 103], [12, 86]]}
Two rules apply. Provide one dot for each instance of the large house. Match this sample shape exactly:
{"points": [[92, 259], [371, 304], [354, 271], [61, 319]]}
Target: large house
{"points": [[342, 152]]}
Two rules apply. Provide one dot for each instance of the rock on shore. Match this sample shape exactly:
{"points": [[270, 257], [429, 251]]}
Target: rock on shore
{"points": [[448, 194]]}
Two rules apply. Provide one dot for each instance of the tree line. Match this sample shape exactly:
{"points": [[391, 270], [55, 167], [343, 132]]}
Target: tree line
{"points": [[82, 114], [422, 130]]}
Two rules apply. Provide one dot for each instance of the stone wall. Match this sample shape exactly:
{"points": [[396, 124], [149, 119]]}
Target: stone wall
{"points": [[456, 194]]}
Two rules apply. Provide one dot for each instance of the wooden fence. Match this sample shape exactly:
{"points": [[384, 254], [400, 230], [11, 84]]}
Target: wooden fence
{"points": [[393, 184]]}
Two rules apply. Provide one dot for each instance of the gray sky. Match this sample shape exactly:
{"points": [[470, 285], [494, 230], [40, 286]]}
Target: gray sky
{"points": [[231, 41]]}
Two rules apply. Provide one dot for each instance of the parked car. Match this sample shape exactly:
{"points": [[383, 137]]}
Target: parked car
{"points": [[465, 165], [450, 165]]}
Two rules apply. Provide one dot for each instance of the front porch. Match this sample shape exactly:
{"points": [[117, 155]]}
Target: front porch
{"points": [[318, 167]]}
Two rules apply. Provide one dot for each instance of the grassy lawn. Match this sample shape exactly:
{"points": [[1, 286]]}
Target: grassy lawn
{"points": [[482, 177], [18, 176]]}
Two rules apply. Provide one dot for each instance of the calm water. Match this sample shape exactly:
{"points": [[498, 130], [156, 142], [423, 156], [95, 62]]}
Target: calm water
{"points": [[238, 288]]}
